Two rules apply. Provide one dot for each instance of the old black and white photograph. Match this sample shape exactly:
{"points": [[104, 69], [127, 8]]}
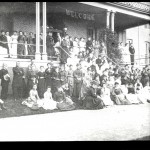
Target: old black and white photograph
{"points": [[75, 71]]}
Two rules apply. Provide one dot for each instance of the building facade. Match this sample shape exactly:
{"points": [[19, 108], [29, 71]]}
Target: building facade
{"points": [[83, 19]]}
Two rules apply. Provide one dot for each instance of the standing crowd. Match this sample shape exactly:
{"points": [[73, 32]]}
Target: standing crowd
{"points": [[84, 77]]}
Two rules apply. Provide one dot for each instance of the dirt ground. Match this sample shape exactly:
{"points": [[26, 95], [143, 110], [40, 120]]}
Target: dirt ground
{"points": [[115, 123]]}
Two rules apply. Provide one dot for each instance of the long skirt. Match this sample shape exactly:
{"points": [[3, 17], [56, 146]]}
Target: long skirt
{"points": [[13, 51], [120, 99], [132, 98], [20, 50], [66, 105], [3, 52], [41, 87], [77, 89], [49, 104], [106, 100], [93, 103]]}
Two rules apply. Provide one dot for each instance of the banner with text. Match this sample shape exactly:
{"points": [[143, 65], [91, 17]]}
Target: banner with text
{"points": [[80, 15]]}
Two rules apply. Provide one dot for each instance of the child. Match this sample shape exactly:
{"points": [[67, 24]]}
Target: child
{"points": [[33, 98]]}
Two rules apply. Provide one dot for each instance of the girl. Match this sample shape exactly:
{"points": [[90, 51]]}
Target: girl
{"points": [[33, 98]]}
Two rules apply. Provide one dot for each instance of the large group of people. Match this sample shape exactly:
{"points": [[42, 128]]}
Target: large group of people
{"points": [[93, 83], [85, 76]]}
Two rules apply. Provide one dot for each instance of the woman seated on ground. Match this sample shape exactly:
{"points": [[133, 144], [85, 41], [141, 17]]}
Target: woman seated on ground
{"points": [[146, 92], [33, 100], [48, 102], [92, 100], [63, 102], [105, 95], [117, 95], [129, 92]]}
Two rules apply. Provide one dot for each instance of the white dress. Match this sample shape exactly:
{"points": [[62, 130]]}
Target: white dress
{"points": [[75, 48], [48, 102], [106, 96], [132, 98], [126, 55], [82, 46], [14, 42]]}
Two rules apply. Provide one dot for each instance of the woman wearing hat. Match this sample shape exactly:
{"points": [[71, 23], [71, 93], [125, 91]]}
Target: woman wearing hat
{"points": [[92, 100]]}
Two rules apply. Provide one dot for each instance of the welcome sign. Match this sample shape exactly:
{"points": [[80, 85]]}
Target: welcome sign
{"points": [[80, 15]]}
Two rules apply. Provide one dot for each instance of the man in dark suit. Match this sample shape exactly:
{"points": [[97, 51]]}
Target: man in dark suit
{"points": [[17, 83], [5, 80], [132, 51]]}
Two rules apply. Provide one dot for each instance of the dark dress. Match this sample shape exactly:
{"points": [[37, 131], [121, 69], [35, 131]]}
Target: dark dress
{"points": [[18, 83], [48, 77], [41, 88], [78, 75], [4, 84], [56, 81], [31, 49], [118, 97], [63, 77], [89, 47], [145, 78], [91, 101], [132, 51], [63, 103], [3, 38], [21, 46], [64, 55], [50, 44]]}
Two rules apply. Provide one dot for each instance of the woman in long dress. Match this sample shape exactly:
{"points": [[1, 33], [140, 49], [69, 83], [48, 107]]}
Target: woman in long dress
{"points": [[118, 97], [76, 46], [48, 102], [21, 45], [96, 49], [82, 45], [14, 41], [105, 95], [9, 42], [92, 100], [41, 82], [63, 102], [32, 101]]}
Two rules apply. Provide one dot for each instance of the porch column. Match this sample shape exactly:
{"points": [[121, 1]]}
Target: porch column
{"points": [[107, 19], [112, 20], [37, 54], [44, 55]]}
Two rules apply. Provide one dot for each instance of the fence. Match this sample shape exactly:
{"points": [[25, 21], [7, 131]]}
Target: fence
{"points": [[147, 59]]}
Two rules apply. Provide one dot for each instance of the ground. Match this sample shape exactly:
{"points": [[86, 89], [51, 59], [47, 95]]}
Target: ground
{"points": [[116, 123]]}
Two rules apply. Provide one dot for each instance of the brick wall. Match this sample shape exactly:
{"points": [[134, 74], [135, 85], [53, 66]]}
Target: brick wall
{"points": [[26, 23]]}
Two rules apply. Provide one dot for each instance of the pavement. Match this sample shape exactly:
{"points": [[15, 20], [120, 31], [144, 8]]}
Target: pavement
{"points": [[115, 123]]}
